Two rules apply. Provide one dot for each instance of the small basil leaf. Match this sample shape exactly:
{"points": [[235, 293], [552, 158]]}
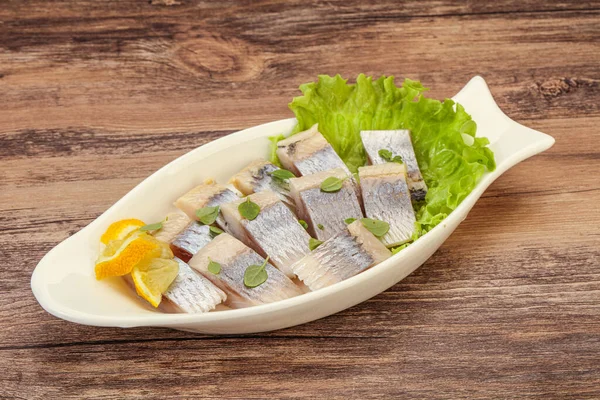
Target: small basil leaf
{"points": [[332, 184], [282, 174], [215, 231], [385, 154], [249, 209], [303, 223], [256, 275], [349, 220], [375, 226], [314, 243], [151, 227], [320, 226], [213, 267], [398, 159], [207, 215]]}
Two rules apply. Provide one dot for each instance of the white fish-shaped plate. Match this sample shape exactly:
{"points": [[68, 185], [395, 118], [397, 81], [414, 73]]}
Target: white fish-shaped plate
{"points": [[64, 284]]}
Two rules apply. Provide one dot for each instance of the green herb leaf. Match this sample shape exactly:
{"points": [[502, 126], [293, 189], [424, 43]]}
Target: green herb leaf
{"points": [[398, 159], [303, 223], [213, 267], [332, 184], [314, 243], [320, 226], [282, 174], [375, 226], [396, 250], [215, 231], [385, 154], [249, 209], [349, 220], [207, 215], [151, 227], [256, 275]]}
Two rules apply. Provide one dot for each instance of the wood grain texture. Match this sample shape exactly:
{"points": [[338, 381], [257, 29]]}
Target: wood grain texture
{"points": [[95, 96]]}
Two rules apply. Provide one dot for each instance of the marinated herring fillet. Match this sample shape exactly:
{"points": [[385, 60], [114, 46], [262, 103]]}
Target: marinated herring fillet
{"points": [[205, 195], [341, 257], [192, 293], [275, 232], [308, 152], [398, 142], [326, 210], [256, 177], [171, 226], [234, 258], [386, 198], [191, 239]]}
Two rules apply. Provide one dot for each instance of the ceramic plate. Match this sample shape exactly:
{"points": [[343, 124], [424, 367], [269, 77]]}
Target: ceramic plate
{"points": [[64, 284]]}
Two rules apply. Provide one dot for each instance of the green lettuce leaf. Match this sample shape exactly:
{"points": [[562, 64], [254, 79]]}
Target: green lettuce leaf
{"points": [[451, 158]]}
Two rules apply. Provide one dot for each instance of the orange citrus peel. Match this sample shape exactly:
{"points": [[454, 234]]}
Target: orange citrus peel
{"points": [[121, 229], [136, 248]]}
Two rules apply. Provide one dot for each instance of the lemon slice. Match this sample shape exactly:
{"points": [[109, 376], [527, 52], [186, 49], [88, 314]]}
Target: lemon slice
{"points": [[153, 277], [121, 229], [112, 247], [136, 248]]}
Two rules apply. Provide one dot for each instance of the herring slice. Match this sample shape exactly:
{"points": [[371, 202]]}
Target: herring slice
{"points": [[275, 232], [171, 226], [399, 143], [256, 177], [234, 258], [206, 195], [308, 152], [346, 254], [325, 212], [386, 197], [190, 240], [192, 293]]}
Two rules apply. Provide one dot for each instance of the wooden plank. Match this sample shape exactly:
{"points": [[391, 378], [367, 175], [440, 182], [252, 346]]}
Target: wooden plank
{"points": [[183, 72]]}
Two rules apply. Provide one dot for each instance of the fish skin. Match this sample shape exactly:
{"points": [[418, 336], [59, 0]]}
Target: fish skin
{"points": [[173, 224], [192, 293], [399, 142], [386, 197], [256, 178], [275, 232], [329, 209], [234, 258], [308, 152], [189, 241], [341, 257], [206, 195]]}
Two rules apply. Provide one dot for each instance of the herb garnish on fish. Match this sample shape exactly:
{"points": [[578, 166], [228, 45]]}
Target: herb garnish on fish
{"points": [[207, 215], [249, 209], [151, 227], [375, 226], [303, 223], [387, 156], [256, 275], [314, 243], [349, 220], [282, 174], [332, 184], [215, 231], [213, 267], [320, 226]]}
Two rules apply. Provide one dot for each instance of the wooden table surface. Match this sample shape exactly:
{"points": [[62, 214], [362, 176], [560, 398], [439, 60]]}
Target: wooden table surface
{"points": [[96, 95]]}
